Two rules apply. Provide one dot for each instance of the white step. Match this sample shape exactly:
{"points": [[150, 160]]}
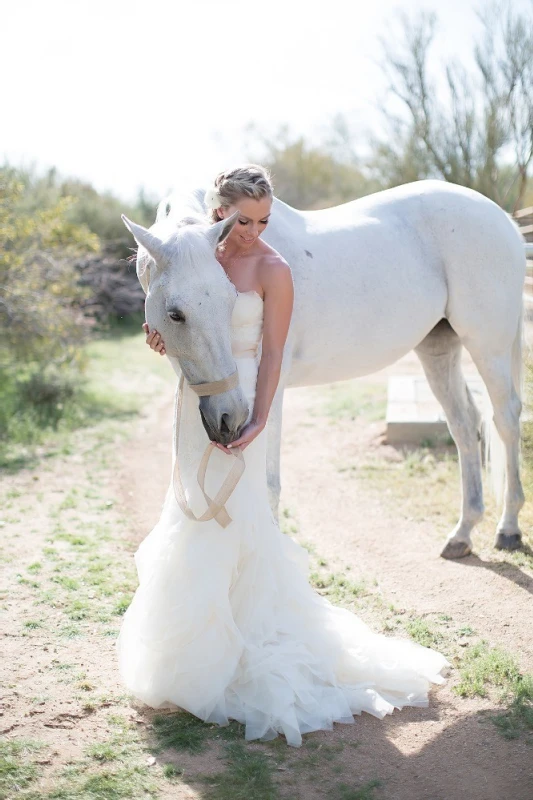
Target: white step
{"points": [[413, 413]]}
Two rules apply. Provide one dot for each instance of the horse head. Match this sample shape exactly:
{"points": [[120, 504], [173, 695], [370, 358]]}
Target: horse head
{"points": [[189, 301]]}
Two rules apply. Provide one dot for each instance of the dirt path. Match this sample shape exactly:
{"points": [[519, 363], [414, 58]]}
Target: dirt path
{"points": [[61, 617]]}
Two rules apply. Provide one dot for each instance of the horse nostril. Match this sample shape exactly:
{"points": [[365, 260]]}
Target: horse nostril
{"points": [[224, 427]]}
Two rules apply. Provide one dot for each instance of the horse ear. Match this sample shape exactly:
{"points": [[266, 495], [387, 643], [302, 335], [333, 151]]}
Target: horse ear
{"points": [[152, 244], [221, 230]]}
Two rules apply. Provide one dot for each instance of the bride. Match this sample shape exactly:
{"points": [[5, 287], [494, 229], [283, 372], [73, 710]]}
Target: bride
{"points": [[224, 622]]}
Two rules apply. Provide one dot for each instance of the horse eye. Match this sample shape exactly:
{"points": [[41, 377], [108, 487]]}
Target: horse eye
{"points": [[176, 316]]}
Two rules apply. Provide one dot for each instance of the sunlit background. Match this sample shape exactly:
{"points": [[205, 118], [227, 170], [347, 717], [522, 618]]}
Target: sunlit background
{"points": [[129, 93]]}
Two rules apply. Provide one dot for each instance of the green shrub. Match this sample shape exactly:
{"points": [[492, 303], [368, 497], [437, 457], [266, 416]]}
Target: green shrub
{"points": [[41, 324]]}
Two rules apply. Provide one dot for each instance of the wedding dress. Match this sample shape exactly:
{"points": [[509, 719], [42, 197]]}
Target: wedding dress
{"points": [[224, 622]]}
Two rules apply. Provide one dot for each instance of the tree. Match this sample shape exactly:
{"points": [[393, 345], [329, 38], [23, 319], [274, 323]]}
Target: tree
{"points": [[108, 274], [314, 176], [478, 131]]}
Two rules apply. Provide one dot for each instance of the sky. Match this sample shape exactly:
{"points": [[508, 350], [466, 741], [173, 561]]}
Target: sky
{"points": [[158, 93]]}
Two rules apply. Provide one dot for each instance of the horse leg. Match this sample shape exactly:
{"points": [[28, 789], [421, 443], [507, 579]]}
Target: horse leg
{"points": [[497, 374], [273, 451], [440, 355]]}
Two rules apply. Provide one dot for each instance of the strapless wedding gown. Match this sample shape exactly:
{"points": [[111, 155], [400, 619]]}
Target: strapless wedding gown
{"points": [[224, 622]]}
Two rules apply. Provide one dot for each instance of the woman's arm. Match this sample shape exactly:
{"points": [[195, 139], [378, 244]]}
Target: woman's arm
{"points": [[278, 289]]}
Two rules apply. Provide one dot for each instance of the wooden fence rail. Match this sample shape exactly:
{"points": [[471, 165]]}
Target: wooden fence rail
{"points": [[524, 218]]}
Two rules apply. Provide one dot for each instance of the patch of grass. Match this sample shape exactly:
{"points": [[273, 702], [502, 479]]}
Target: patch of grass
{"points": [[48, 597], [287, 521], [519, 714], [117, 720], [318, 754], [16, 770], [483, 667], [113, 389], [104, 752], [419, 463], [112, 769], [75, 539], [77, 610], [181, 731], [128, 782], [170, 771], [70, 501], [86, 407], [117, 748], [32, 624], [66, 582], [26, 582], [35, 567], [419, 630], [366, 792], [230, 732], [352, 399], [121, 605], [433, 473], [249, 774], [337, 587], [69, 631], [61, 665]]}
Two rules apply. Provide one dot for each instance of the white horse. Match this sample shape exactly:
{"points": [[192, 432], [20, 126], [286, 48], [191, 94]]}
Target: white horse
{"points": [[427, 266]]}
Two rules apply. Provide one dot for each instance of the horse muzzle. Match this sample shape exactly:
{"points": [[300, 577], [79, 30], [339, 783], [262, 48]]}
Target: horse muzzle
{"points": [[222, 410], [222, 419]]}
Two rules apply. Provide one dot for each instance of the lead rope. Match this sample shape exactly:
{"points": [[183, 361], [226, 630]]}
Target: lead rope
{"points": [[215, 507]]}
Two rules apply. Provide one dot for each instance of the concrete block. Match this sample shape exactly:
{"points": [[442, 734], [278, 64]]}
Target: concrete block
{"points": [[413, 413]]}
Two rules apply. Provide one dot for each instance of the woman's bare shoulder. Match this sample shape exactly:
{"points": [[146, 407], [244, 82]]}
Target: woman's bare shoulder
{"points": [[270, 260], [275, 276]]}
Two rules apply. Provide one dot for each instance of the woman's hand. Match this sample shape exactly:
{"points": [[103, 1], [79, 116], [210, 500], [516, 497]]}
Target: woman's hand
{"points": [[154, 340], [248, 434]]}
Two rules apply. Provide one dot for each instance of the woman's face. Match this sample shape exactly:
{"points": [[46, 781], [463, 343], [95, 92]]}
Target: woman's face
{"points": [[251, 222]]}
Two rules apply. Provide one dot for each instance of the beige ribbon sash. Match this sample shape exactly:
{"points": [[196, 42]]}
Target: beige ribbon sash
{"points": [[215, 506]]}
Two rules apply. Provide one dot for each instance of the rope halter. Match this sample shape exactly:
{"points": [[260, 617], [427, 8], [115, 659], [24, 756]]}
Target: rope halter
{"points": [[215, 506]]}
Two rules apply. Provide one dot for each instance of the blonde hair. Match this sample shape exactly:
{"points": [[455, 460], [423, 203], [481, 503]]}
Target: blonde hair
{"points": [[248, 180]]}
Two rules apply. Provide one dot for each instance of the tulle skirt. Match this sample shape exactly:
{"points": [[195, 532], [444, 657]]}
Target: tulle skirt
{"points": [[225, 625]]}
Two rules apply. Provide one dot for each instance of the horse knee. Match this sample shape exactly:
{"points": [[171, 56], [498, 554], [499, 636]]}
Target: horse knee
{"points": [[274, 484]]}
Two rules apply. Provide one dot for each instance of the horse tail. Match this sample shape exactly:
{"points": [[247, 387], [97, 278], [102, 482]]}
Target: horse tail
{"points": [[495, 455]]}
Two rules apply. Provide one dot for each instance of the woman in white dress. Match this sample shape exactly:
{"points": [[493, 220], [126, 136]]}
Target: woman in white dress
{"points": [[224, 622]]}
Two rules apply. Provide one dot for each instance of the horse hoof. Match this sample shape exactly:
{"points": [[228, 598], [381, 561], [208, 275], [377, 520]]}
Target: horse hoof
{"points": [[456, 549], [508, 541]]}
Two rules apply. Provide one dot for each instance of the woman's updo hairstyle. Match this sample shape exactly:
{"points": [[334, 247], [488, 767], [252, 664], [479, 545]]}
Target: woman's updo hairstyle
{"points": [[249, 180]]}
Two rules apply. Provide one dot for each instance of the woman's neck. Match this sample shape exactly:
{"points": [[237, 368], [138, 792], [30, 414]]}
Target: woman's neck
{"points": [[232, 249]]}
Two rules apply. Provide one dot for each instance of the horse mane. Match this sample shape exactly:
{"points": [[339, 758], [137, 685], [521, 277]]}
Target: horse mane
{"points": [[175, 211], [180, 209]]}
